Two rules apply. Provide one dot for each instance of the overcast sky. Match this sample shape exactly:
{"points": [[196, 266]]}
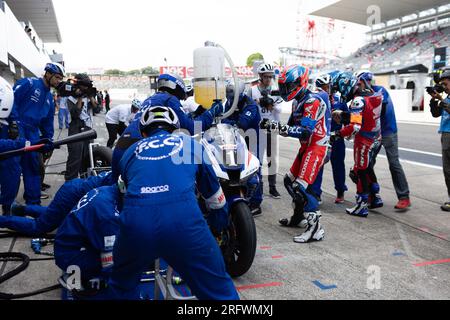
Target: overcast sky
{"points": [[132, 34]]}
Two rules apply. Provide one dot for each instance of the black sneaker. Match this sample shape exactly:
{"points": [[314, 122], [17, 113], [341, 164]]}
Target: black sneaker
{"points": [[6, 210], [45, 186], [44, 196], [446, 207], [274, 192], [256, 210]]}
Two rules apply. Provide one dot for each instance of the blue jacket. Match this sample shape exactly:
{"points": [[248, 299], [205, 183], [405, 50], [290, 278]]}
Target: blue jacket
{"points": [[9, 145], [338, 105], [93, 226], [165, 167], [445, 119], [33, 108], [246, 116], [133, 133], [388, 120]]}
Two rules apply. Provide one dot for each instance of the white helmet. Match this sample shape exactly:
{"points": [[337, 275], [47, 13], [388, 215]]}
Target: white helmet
{"points": [[159, 117], [323, 80], [266, 68], [6, 99], [136, 104]]}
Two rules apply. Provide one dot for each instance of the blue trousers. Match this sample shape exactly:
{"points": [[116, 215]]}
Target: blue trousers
{"points": [[63, 118], [255, 187], [9, 170], [46, 219], [176, 231], [338, 165]]}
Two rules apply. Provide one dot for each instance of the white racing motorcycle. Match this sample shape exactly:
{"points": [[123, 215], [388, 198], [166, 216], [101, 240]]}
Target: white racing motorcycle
{"points": [[234, 165]]}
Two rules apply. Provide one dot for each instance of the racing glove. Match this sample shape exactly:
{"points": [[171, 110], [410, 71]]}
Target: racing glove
{"points": [[13, 131], [216, 109], [48, 145]]}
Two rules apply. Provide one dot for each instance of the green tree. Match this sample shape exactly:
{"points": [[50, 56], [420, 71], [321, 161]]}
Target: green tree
{"points": [[254, 57], [114, 72], [149, 70]]}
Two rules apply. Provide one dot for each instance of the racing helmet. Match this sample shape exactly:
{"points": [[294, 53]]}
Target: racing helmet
{"points": [[172, 84], [346, 84], [159, 117], [364, 75], [293, 82], [323, 80], [136, 104], [6, 99], [266, 68], [55, 68]]}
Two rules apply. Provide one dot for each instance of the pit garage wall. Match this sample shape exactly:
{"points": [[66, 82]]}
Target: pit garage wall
{"points": [[18, 45]]}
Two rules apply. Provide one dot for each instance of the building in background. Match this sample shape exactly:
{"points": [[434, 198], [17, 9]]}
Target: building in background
{"points": [[25, 27]]}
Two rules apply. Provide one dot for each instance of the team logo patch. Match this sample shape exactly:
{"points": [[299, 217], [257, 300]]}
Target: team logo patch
{"points": [[109, 242], [153, 190], [86, 199], [158, 148], [107, 259]]}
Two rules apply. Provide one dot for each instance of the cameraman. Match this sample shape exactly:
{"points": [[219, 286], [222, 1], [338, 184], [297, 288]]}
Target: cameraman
{"points": [[81, 121], [440, 107]]}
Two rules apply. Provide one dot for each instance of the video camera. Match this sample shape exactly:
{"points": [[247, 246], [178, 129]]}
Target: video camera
{"points": [[437, 88], [69, 89]]}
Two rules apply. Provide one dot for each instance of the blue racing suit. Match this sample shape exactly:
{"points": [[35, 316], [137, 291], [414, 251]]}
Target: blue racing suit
{"points": [[248, 118], [34, 111], [132, 134], [87, 236], [47, 219], [161, 217], [337, 156], [9, 145]]}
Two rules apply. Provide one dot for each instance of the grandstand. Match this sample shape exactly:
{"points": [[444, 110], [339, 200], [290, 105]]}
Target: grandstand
{"points": [[400, 49], [24, 54]]}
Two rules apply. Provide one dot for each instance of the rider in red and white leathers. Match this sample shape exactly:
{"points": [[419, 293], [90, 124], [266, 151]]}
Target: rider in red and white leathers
{"points": [[310, 124]]}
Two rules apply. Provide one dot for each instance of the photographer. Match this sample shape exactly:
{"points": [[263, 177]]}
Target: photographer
{"points": [[440, 107], [82, 94]]}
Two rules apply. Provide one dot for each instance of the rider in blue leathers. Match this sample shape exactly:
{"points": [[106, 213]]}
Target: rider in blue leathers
{"points": [[161, 217], [337, 155], [33, 114], [171, 89], [47, 219], [248, 118], [87, 236]]}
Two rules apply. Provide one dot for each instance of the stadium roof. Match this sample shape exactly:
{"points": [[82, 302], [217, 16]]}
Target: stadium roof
{"points": [[42, 16], [356, 10]]}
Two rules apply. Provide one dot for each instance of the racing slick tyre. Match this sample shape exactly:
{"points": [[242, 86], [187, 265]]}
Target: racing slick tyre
{"points": [[242, 245], [102, 158]]}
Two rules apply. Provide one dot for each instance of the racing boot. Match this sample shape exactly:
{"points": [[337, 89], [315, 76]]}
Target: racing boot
{"points": [[375, 200], [360, 209], [296, 221], [314, 232]]}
